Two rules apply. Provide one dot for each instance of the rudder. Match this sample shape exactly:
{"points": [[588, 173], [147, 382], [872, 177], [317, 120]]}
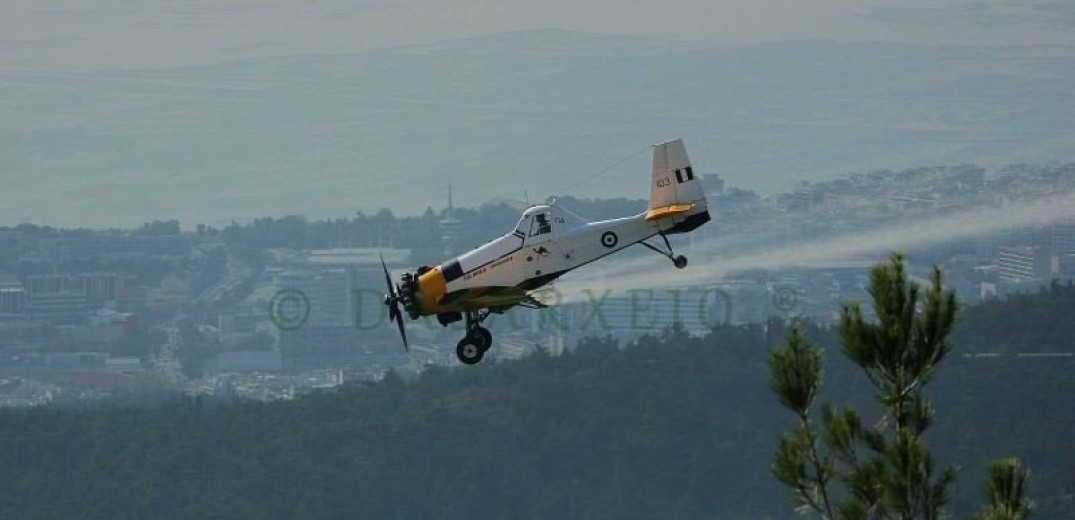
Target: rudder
{"points": [[675, 192], [673, 179]]}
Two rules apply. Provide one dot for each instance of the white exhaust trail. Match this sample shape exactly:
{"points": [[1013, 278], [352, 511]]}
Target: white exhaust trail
{"points": [[708, 266]]}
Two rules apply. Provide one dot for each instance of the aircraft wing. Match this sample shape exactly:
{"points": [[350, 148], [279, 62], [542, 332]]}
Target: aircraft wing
{"points": [[495, 297]]}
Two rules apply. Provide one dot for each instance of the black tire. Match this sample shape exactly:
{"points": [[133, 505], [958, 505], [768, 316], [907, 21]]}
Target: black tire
{"points": [[483, 338], [680, 262], [468, 351]]}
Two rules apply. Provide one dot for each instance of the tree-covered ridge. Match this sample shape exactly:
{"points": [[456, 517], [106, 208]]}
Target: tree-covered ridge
{"points": [[1029, 323], [669, 427]]}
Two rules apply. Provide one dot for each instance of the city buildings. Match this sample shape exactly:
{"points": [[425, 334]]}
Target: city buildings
{"points": [[255, 316]]}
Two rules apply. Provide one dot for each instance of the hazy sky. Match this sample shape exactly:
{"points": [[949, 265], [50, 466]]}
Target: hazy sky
{"points": [[97, 109], [92, 35]]}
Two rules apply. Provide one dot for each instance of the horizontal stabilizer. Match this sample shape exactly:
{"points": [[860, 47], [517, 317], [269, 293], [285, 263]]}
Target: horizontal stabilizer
{"points": [[668, 211]]}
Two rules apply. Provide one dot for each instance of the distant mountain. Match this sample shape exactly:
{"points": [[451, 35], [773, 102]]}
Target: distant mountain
{"points": [[512, 115]]}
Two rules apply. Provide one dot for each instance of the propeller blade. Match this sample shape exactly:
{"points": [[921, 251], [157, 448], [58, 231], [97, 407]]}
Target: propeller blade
{"points": [[387, 277], [393, 305], [402, 333]]}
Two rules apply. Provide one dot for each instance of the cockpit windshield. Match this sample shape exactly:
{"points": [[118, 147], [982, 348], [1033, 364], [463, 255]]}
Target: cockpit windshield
{"points": [[523, 228]]}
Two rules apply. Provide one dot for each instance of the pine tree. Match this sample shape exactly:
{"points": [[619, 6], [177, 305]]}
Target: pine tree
{"points": [[846, 469], [1005, 488]]}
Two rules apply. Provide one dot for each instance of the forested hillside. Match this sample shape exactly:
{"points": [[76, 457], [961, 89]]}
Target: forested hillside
{"points": [[1041, 322], [670, 427]]}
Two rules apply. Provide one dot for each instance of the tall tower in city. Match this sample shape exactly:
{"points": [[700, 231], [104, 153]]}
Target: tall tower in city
{"points": [[449, 227]]}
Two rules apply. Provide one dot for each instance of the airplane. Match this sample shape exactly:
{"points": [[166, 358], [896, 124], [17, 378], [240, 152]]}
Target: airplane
{"points": [[547, 242]]}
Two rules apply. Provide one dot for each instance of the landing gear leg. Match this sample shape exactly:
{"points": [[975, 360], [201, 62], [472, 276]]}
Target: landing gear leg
{"points": [[679, 261], [471, 349], [483, 337]]}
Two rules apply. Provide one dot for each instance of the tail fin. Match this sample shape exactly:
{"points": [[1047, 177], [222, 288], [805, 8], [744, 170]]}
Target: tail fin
{"points": [[675, 194]]}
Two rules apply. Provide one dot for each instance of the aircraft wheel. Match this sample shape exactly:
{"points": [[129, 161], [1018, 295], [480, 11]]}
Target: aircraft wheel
{"points": [[680, 262], [468, 351], [483, 338]]}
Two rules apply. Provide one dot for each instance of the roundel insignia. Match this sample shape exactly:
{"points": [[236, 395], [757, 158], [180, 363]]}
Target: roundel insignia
{"points": [[609, 239]]}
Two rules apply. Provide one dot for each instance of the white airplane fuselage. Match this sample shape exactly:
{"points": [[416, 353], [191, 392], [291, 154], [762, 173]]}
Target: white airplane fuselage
{"points": [[512, 260], [528, 258]]}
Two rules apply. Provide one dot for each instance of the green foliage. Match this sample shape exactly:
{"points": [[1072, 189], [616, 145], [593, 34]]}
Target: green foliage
{"points": [[900, 351], [796, 373], [886, 470], [796, 378], [1005, 491]]}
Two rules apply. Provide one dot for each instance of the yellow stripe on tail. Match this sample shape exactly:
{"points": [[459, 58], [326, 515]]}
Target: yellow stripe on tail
{"points": [[668, 211]]}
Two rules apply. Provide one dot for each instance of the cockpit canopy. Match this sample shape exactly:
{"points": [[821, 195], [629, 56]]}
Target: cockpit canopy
{"points": [[542, 221]]}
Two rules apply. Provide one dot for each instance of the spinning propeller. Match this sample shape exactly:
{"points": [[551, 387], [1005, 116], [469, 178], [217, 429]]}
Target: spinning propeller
{"points": [[391, 299]]}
